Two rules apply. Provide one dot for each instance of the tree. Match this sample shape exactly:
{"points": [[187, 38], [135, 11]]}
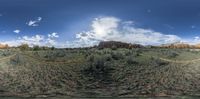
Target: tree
{"points": [[36, 47], [52, 48], [24, 47]]}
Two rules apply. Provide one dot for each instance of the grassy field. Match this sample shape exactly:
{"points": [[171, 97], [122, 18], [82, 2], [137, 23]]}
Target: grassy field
{"points": [[139, 72]]}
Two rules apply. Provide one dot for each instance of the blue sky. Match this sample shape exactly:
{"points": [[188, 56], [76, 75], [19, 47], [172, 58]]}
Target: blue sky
{"points": [[71, 23]]}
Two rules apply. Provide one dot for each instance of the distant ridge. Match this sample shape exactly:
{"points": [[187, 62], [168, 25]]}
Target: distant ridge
{"points": [[3, 46], [117, 44]]}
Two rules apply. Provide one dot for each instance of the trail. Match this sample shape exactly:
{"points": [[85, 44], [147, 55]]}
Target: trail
{"points": [[8, 57], [175, 61]]}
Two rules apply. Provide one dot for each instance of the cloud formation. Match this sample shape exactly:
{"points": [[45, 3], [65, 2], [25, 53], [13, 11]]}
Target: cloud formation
{"points": [[103, 29], [41, 40], [114, 29], [34, 22], [17, 31]]}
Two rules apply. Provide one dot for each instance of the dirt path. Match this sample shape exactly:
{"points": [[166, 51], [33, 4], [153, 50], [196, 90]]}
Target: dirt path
{"points": [[175, 61], [7, 57], [180, 61]]}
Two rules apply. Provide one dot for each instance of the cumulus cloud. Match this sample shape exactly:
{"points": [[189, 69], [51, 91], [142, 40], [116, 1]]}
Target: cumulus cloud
{"points": [[34, 22], [114, 29], [53, 35], [196, 38], [41, 40], [17, 31], [51, 39]]}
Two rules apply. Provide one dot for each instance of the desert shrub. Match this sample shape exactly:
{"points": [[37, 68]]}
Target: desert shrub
{"points": [[130, 60], [36, 48], [98, 68], [107, 57], [172, 54], [107, 51], [114, 47], [52, 48], [90, 58], [60, 53], [117, 55], [50, 56], [127, 53], [159, 62]]}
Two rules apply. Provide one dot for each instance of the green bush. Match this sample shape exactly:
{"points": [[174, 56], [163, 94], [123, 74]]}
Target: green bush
{"points": [[98, 68], [36, 48], [117, 55], [130, 60], [24, 47]]}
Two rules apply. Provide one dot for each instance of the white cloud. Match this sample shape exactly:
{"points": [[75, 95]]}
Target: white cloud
{"points": [[53, 35], [17, 31], [196, 38], [111, 28], [41, 40], [34, 22], [51, 39], [103, 29], [31, 40]]}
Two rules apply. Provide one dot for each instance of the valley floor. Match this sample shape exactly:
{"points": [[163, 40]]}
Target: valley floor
{"points": [[139, 72]]}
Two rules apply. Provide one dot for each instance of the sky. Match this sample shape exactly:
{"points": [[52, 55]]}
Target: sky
{"points": [[82, 23]]}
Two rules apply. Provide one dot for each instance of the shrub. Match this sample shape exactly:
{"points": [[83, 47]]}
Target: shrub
{"points": [[130, 60], [159, 62], [98, 68], [107, 57], [36, 48], [60, 54], [117, 56], [114, 47], [52, 48], [172, 54]]}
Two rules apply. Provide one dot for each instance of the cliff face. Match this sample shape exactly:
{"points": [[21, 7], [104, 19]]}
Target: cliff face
{"points": [[116, 44]]}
